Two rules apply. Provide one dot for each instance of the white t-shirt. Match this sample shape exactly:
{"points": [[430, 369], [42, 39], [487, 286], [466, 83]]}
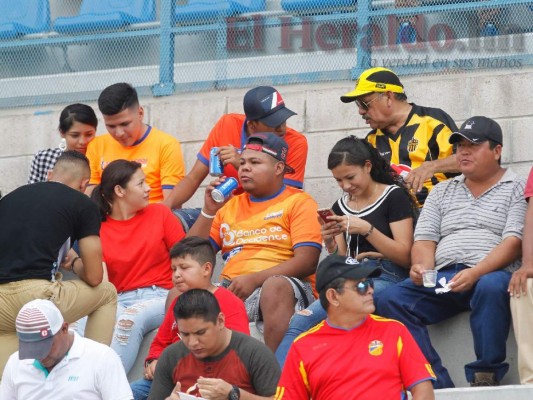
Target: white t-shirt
{"points": [[90, 371]]}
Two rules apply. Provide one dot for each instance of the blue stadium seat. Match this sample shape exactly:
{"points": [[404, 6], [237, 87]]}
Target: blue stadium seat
{"points": [[302, 6], [107, 14], [207, 10], [21, 17]]}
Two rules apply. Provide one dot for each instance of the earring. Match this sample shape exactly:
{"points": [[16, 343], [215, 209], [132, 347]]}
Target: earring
{"points": [[62, 144]]}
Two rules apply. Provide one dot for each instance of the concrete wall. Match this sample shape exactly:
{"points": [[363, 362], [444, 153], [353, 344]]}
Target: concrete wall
{"points": [[502, 95]]}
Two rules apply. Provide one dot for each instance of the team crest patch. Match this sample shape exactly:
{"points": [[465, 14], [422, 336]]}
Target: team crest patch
{"points": [[375, 348], [412, 145]]}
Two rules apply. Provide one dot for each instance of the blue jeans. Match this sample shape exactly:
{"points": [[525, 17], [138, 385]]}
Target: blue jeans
{"points": [[418, 306], [138, 312], [187, 216], [304, 320], [141, 389]]}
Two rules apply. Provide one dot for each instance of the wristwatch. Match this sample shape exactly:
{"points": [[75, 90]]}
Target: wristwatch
{"points": [[235, 393]]}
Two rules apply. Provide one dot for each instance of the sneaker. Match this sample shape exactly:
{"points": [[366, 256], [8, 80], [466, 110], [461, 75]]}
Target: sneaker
{"points": [[484, 379], [406, 33], [489, 30]]}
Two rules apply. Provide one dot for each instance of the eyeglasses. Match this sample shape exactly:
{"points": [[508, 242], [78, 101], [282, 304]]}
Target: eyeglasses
{"points": [[362, 287], [365, 106]]}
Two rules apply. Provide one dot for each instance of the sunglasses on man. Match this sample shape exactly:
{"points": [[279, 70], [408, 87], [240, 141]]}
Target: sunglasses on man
{"points": [[366, 105], [362, 287]]}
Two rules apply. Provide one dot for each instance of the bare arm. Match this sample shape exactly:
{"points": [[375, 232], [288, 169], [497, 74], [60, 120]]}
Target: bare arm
{"points": [[501, 256], [423, 391], [518, 282], [184, 190], [422, 257], [301, 265], [92, 271], [202, 226], [397, 249], [416, 178], [219, 389]]}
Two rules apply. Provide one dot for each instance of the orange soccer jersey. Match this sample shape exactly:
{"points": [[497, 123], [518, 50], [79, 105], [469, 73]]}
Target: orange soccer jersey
{"points": [[158, 153], [230, 129], [257, 234]]}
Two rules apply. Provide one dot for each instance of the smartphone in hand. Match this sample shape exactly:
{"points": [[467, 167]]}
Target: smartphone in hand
{"points": [[324, 213]]}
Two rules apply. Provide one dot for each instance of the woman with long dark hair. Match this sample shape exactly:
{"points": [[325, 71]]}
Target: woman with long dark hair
{"points": [[373, 220], [136, 240]]}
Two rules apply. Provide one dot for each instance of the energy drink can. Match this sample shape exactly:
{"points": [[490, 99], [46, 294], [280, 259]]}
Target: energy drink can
{"points": [[223, 190], [215, 165]]}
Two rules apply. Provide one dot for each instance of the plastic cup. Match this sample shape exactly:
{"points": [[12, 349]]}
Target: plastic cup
{"points": [[429, 277]]}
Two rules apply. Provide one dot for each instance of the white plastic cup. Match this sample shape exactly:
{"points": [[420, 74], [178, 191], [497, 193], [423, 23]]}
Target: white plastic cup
{"points": [[429, 277]]}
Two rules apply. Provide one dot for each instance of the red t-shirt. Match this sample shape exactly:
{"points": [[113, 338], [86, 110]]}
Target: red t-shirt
{"points": [[136, 251], [528, 192], [231, 129], [230, 305], [378, 359]]}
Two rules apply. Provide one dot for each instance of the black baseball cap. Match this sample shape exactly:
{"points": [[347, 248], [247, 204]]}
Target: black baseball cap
{"points": [[265, 104], [333, 267], [477, 130], [271, 144]]}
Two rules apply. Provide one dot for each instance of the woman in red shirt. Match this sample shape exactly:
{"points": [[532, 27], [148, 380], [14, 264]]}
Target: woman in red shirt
{"points": [[136, 239]]}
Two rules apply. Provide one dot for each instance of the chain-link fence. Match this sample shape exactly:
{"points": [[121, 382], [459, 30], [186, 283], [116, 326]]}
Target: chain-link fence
{"points": [[65, 50]]}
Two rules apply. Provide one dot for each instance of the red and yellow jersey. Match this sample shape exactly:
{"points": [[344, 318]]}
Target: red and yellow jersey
{"points": [[378, 359], [257, 234], [231, 129], [159, 154]]}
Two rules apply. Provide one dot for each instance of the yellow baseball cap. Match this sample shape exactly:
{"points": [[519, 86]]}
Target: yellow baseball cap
{"points": [[374, 80]]}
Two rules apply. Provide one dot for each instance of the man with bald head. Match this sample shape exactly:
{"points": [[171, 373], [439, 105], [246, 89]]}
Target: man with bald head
{"points": [[39, 223]]}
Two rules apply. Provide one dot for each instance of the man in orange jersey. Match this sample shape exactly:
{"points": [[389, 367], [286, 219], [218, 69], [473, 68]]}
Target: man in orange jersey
{"points": [[264, 111], [353, 354], [269, 237], [131, 139]]}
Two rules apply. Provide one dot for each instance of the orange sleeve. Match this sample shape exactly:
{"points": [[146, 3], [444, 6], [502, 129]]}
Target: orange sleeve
{"points": [[297, 157], [93, 154], [172, 164], [305, 228]]}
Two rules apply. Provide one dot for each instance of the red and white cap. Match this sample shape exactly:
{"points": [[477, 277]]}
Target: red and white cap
{"points": [[37, 322]]}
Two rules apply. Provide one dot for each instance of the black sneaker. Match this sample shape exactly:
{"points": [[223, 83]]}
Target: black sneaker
{"points": [[484, 379]]}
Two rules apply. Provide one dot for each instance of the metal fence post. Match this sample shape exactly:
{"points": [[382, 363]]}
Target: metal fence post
{"points": [[165, 87], [364, 52]]}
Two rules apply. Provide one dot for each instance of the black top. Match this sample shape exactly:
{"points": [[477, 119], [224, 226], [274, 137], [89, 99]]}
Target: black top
{"points": [[393, 205], [36, 220]]}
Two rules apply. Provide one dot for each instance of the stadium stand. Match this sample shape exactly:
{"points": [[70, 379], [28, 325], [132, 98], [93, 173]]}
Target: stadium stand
{"points": [[22, 17], [97, 15], [208, 10]]}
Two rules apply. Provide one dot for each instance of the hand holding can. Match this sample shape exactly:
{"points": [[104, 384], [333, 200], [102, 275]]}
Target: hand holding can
{"points": [[222, 191]]}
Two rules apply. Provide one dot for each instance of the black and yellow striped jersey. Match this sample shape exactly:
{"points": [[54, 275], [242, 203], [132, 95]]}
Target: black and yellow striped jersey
{"points": [[423, 137]]}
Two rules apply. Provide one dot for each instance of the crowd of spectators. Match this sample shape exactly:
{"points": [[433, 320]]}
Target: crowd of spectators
{"points": [[419, 196]]}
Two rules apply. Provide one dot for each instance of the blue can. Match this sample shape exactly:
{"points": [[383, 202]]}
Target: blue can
{"points": [[222, 191], [215, 165]]}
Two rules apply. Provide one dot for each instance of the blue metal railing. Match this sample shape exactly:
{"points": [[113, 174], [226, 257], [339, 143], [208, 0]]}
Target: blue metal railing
{"points": [[366, 13]]}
